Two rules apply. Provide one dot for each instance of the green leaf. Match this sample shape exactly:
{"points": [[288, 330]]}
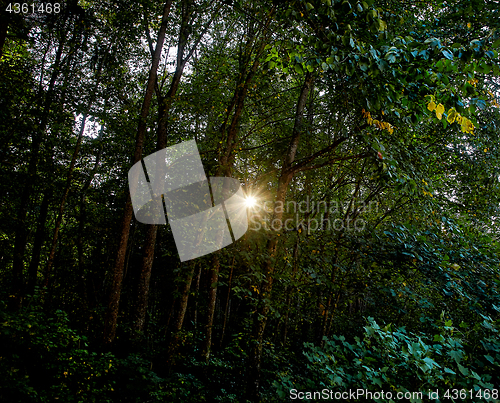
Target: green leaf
{"points": [[456, 355], [463, 370], [447, 54]]}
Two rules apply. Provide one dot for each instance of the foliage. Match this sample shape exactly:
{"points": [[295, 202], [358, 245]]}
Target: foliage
{"points": [[44, 360], [393, 359], [367, 132]]}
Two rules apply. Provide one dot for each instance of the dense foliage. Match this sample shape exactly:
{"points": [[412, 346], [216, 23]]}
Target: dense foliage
{"points": [[367, 133]]}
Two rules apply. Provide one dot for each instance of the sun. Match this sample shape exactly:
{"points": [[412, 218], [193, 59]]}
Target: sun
{"points": [[250, 201]]}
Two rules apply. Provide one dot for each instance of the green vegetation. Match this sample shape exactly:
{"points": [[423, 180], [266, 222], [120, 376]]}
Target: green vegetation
{"points": [[367, 133]]}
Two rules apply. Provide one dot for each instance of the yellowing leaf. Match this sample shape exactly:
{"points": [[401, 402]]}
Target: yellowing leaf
{"points": [[452, 115], [467, 125], [439, 111], [431, 106], [469, 25]]}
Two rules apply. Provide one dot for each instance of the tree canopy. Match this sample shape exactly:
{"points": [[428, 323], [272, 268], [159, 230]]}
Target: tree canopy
{"points": [[366, 133]]}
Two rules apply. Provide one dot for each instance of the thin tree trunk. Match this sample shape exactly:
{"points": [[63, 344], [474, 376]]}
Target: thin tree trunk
{"points": [[179, 318], [289, 294], [260, 315], [60, 212], [21, 233], [226, 310], [224, 169], [111, 318], [39, 240], [82, 218], [74, 158], [165, 105], [197, 291], [212, 295]]}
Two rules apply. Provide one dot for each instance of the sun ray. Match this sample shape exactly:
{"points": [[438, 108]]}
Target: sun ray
{"points": [[250, 201]]}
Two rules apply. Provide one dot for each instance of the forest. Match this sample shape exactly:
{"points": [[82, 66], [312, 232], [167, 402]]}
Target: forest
{"points": [[364, 135]]}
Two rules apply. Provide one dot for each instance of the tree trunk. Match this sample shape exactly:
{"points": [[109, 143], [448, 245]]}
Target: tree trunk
{"points": [[21, 233], [237, 103], [67, 188], [289, 296], [197, 291], [173, 343], [260, 315], [212, 295], [111, 318], [226, 310], [165, 105], [81, 221], [39, 240], [58, 223]]}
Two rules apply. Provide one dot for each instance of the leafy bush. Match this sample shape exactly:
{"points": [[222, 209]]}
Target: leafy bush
{"points": [[43, 360], [396, 360]]}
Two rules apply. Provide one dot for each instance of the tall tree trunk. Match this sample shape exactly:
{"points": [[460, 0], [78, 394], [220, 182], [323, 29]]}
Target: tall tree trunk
{"points": [[39, 240], [196, 292], [226, 310], [288, 294], [21, 233], [60, 212], [173, 339], [260, 315], [248, 70], [69, 178], [82, 218], [165, 104], [212, 295], [111, 318]]}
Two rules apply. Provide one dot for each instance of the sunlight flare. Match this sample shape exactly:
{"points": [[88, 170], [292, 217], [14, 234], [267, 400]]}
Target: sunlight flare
{"points": [[250, 201]]}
